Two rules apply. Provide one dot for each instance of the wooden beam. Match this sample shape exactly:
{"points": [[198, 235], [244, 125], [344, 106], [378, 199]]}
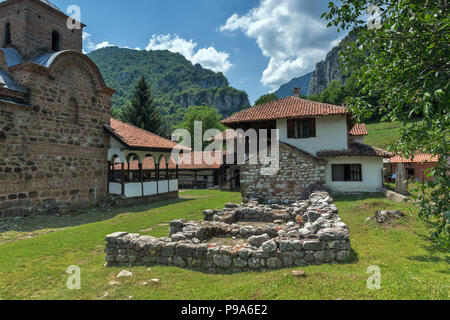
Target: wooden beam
{"points": [[122, 176], [141, 179]]}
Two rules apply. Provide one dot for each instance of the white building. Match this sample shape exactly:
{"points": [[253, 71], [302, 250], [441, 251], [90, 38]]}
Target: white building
{"points": [[326, 135]]}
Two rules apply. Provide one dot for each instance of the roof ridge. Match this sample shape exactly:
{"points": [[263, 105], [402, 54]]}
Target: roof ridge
{"points": [[140, 129], [285, 108]]}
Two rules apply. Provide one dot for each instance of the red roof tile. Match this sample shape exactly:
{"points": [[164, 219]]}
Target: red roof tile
{"points": [[149, 163], [418, 158], [357, 149], [359, 129], [290, 107], [136, 138]]}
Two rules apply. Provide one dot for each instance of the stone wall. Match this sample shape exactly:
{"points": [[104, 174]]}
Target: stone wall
{"points": [[55, 151], [299, 172], [316, 236]]}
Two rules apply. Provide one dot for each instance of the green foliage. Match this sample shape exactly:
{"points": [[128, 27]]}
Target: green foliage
{"points": [[208, 116], [337, 93], [142, 111], [266, 98], [408, 70], [175, 83]]}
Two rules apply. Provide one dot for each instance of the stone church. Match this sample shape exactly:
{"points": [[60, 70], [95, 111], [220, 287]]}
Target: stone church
{"points": [[55, 120], [53, 105]]}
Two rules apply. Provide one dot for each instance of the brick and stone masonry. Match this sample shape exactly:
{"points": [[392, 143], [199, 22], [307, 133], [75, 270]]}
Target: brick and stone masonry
{"points": [[299, 173], [54, 150], [32, 23], [304, 233]]}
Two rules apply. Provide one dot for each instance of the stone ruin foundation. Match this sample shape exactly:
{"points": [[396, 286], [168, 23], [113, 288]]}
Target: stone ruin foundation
{"points": [[243, 237]]}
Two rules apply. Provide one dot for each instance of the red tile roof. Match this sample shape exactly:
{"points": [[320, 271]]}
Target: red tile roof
{"points": [[418, 158], [290, 107], [359, 129], [136, 138], [149, 163], [357, 149]]}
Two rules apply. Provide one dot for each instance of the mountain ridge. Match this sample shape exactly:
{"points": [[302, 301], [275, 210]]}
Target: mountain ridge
{"points": [[176, 83], [301, 82]]}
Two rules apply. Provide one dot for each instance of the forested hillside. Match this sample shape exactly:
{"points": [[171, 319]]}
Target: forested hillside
{"points": [[176, 83]]}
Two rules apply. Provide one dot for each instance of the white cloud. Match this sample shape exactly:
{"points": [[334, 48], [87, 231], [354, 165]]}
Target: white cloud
{"points": [[89, 45], [290, 33], [209, 58]]}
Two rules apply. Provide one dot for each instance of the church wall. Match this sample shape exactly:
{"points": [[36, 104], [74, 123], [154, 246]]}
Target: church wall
{"points": [[55, 152]]}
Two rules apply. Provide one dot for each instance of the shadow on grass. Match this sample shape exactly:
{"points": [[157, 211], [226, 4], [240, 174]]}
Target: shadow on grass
{"points": [[80, 217], [358, 197], [433, 251]]}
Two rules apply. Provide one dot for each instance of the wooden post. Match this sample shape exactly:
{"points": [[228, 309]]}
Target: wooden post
{"points": [[167, 177], [400, 179], [177, 174], [195, 179], [128, 169], [122, 178], [157, 178], [141, 179]]}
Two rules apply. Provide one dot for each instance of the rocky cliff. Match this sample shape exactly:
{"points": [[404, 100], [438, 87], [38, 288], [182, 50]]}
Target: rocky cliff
{"points": [[325, 72], [328, 70]]}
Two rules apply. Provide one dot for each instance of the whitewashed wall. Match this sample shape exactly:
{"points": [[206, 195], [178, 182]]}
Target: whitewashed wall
{"points": [[150, 188], [372, 177], [163, 186], [115, 188], [173, 185], [332, 134], [358, 139], [133, 190]]}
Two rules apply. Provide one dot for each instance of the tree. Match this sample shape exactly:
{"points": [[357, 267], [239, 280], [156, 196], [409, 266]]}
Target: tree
{"points": [[142, 111], [335, 93], [401, 57], [209, 117], [266, 98]]}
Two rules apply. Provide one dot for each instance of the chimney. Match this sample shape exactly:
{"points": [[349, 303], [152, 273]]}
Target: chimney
{"points": [[297, 92]]}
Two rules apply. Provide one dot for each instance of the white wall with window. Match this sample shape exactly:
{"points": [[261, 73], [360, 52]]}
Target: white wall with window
{"points": [[315, 134], [354, 174]]}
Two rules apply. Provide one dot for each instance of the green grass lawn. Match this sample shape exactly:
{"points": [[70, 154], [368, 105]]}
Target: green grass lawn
{"points": [[383, 134], [35, 253]]}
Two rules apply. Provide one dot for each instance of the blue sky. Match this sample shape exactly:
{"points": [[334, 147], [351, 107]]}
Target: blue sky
{"points": [[258, 44]]}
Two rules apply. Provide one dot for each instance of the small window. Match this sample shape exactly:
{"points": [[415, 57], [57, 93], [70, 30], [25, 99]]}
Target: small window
{"points": [[55, 41], [347, 172], [2, 135], [301, 129], [74, 110], [8, 34]]}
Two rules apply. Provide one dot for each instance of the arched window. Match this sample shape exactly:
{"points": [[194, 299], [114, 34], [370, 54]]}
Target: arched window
{"points": [[55, 41], [8, 34]]}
